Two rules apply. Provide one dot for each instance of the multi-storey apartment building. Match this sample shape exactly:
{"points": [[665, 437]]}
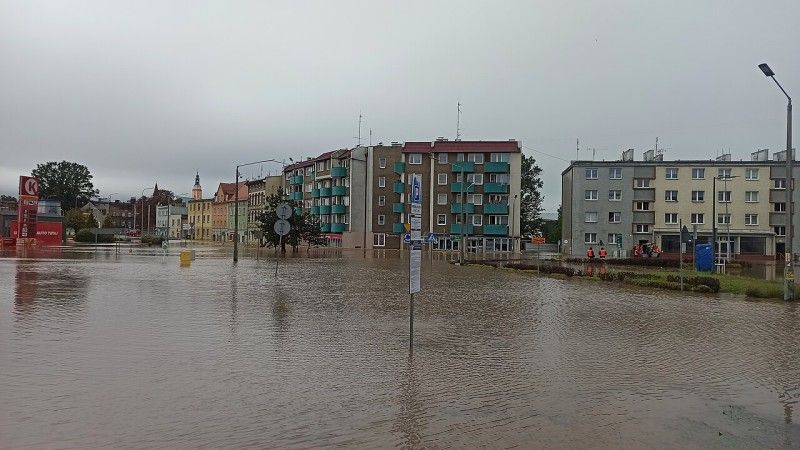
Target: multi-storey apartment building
{"points": [[258, 190], [361, 195], [622, 203], [199, 218]]}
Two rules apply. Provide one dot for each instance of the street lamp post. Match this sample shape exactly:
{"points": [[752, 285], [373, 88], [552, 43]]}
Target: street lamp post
{"points": [[788, 276], [236, 204]]}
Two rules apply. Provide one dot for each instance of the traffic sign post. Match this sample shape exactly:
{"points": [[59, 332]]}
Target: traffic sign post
{"points": [[281, 227], [415, 259]]}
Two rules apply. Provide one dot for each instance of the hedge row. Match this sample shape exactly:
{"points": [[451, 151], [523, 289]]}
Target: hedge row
{"points": [[710, 282], [86, 235]]}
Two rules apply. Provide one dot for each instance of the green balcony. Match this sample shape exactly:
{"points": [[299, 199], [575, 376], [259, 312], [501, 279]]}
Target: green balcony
{"points": [[325, 192], [495, 188], [338, 227], [495, 208], [399, 187], [298, 211], [338, 172], [496, 167], [295, 180], [314, 210], [464, 166], [325, 227], [398, 228], [399, 167], [339, 190], [296, 195], [338, 209], [456, 188], [495, 230], [455, 228], [455, 208], [314, 193], [324, 209], [398, 208]]}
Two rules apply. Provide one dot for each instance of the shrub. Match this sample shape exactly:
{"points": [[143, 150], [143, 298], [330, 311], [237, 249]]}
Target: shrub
{"points": [[764, 291], [644, 262], [150, 239], [86, 235], [545, 268], [710, 282]]}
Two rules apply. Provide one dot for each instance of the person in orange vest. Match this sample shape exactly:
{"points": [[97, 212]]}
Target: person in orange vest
{"points": [[637, 251], [590, 253], [602, 253]]}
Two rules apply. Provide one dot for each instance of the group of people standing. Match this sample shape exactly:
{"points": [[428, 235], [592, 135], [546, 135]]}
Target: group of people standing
{"points": [[601, 253], [639, 250]]}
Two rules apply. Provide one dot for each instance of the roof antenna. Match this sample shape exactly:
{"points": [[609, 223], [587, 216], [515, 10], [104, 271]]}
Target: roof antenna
{"points": [[458, 122], [359, 128], [370, 137]]}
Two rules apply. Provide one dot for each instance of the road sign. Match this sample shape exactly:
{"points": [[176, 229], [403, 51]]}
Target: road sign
{"points": [[416, 223], [416, 194], [28, 186], [414, 268], [407, 238], [282, 227], [416, 235], [537, 240], [284, 211], [432, 238]]}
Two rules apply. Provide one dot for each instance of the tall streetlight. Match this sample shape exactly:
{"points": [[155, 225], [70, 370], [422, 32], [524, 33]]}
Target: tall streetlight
{"points": [[236, 204], [788, 276], [714, 214]]}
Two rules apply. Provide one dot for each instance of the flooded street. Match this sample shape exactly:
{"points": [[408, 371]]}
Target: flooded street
{"points": [[135, 351]]}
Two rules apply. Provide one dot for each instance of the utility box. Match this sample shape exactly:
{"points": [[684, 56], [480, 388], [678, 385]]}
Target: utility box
{"points": [[704, 257]]}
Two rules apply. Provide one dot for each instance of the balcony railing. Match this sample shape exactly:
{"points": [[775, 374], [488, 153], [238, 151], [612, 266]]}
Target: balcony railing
{"points": [[338, 172], [339, 190], [469, 208], [324, 209], [399, 187], [399, 167], [398, 228], [338, 227], [338, 209], [495, 208], [495, 230], [455, 228], [463, 166], [297, 179], [456, 188], [496, 167], [325, 192], [495, 188], [398, 208]]}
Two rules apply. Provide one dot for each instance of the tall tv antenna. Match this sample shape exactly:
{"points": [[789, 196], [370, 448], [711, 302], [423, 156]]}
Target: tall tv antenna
{"points": [[359, 128], [458, 123]]}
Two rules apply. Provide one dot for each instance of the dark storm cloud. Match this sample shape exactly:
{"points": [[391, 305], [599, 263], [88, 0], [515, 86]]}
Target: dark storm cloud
{"points": [[151, 91]]}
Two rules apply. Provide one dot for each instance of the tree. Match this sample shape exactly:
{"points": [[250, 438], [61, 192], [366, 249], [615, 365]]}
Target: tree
{"points": [[531, 200], [108, 221], [8, 198], [75, 219], [69, 182], [305, 227], [91, 222], [555, 232]]}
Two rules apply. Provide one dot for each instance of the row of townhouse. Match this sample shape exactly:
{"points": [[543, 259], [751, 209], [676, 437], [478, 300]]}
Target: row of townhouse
{"points": [[622, 203]]}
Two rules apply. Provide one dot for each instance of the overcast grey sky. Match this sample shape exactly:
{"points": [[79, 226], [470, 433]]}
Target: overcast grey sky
{"points": [[150, 91]]}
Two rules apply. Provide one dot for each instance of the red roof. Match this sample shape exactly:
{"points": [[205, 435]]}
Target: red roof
{"points": [[510, 146]]}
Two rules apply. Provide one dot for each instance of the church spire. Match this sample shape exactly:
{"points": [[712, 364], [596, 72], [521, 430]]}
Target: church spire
{"points": [[197, 178]]}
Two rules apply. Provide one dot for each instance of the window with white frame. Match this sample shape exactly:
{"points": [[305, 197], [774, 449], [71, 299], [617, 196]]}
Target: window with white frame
{"points": [[614, 217], [499, 157], [671, 173], [591, 174], [615, 173], [477, 220], [590, 238], [641, 183], [751, 196], [381, 200], [671, 218], [698, 173], [441, 219], [415, 158], [381, 181], [780, 207], [779, 230], [441, 199], [751, 219], [723, 219], [614, 195], [379, 240], [498, 220], [724, 173], [441, 179], [724, 196], [382, 163], [475, 178], [591, 217], [780, 183], [475, 199], [477, 158], [641, 206], [751, 173], [442, 158], [381, 219], [502, 178], [698, 218], [698, 196], [590, 194], [671, 196], [614, 238], [641, 228]]}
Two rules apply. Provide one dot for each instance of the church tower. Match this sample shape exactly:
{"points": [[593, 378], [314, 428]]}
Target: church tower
{"points": [[197, 191]]}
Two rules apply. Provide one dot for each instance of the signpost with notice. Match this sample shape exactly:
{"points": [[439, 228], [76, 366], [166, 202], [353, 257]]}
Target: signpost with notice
{"points": [[538, 241], [415, 258], [281, 227]]}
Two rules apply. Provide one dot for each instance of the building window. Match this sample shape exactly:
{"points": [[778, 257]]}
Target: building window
{"points": [[475, 178], [751, 196], [382, 182], [614, 195], [441, 199], [498, 157], [590, 194], [591, 217], [641, 206], [441, 178], [698, 218], [476, 199], [379, 240], [724, 173], [671, 218], [441, 219], [614, 217], [382, 163], [723, 219], [477, 220], [671, 173], [442, 158], [590, 238], [751, 219], [381, 219], [477, 158], [381, 200], [671, 196], [698, 196], [415, 158], [591, 174], [641, 183], [780, 207], [698, 174], [780, 231], [641, 228], [614, 238], [780, 183], [724, 196], [751, 173], [615, 173]]}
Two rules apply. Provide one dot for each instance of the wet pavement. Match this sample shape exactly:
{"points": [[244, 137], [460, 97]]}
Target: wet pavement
{"points": [[99, 349]]}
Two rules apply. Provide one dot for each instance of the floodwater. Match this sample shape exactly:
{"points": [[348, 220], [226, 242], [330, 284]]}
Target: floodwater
{"points": [[132, 350]]}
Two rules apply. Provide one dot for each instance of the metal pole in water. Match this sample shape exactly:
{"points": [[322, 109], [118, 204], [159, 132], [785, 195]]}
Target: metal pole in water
{"points": [[411, 328], [277, 255]]}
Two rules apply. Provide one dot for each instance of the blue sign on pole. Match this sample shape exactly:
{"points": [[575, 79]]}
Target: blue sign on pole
{"points": [[432, 238], [407, 238]]}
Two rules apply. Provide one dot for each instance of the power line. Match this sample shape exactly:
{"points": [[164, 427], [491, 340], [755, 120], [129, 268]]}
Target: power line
{"points": [[546, 154]]}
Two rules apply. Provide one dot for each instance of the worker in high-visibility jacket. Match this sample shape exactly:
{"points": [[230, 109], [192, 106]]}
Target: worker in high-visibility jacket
{"points": [[590, 253], [602, 253]]}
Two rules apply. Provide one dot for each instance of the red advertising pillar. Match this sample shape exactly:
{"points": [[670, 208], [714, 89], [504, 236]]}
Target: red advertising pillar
{"points": [[28, 208]]}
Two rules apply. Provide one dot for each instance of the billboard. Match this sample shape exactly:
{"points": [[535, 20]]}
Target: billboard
{"points": [[28, 208], [47, 233]]}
